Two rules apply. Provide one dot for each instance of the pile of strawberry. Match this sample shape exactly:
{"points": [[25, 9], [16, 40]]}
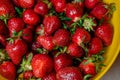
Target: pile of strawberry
{"points": [[53, 39]]}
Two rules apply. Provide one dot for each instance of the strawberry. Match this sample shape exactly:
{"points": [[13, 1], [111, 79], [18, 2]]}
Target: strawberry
{"points": [[61, 37], [88, 67], [46, 42], [81, 35], [16, 50], [51, 76], [3, 40], [42, 65], [36, 45], [27, 75], [69, 73], [95, 46], [8, 70], [41, 8], [61, 61], [73, 11], [90, 4], [15, 25], [26, 4], [59, 5], [30, 17], [27, 35], [16, 3], [105, 33], [6, 8], [75, 50], [103, 11], [3, 28], [51, 24]]}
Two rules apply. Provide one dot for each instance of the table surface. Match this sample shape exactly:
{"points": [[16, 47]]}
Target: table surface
{"points": [[114, 71]]}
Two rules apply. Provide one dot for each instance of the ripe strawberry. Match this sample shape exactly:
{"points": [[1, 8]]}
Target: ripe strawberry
{"points": [[3, 28], [59, 5], [41, 8], [51, 24], [46, 42], [81, 35], [61, 61], [90, 4], [30, 17], [26, 3], [73, 11], [27, 75], [42, 65], [75, 50], [32, 27], [6, 8], [69, 73], [16, 50], [36, 45], [15, 25], [61, 37], [88, 67], [105, 33], [8, 70], [100, 11], [51, 76], [16, 3], [27, 35], [95, 46], [3, 40]]}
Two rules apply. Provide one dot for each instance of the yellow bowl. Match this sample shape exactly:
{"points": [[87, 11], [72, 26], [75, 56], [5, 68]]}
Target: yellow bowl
{"points": [[113, 50]]}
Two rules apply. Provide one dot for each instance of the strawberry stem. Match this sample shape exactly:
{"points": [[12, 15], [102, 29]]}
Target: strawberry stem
{"points": [[86, 77]]}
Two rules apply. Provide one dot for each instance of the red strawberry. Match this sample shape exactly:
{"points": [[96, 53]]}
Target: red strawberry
{"points": [[30, 17], [42, 65], [15, 24], [100, 11], [36, 45], [75, 50], [16, 50], [8, 70], [61, 61], [6, 8], [51, 76], [26, 3], [3, 40], [61, 37], [74, 11], [81, 35], [27, 75], [3, 28], [88, 67], [90, 4], [59, 5], [51, 24], [41, 8], [16, 3], [27, 35], [105, 33], [46, 42], [95, 46], [69, 73]]}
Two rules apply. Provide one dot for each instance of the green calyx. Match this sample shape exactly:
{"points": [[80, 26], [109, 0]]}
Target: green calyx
{"points": [[5, 18], [88, 24], [76, 1], [26, 64], [41, 50], [19, 11], [3, 55], [86, 77]]}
